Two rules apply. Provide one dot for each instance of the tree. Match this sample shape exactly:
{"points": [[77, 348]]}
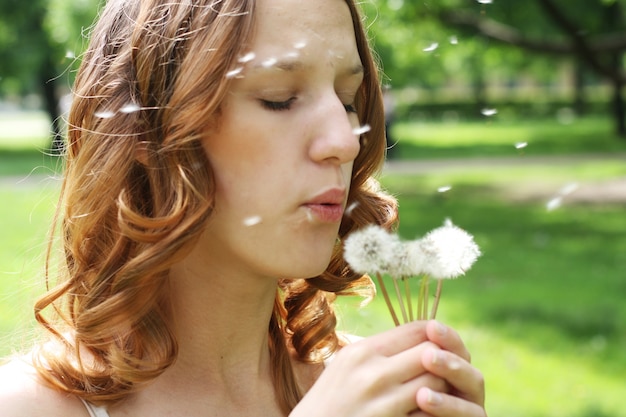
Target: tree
{"points": [[34, 39], [590, 31]]}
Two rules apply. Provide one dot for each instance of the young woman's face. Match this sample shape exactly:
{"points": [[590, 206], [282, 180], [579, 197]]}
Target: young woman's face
{"points": [[285, 144]]}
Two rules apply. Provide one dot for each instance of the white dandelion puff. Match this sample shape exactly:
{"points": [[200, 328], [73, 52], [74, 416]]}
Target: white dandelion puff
{"points": [[449, 251], [485, 1], [454, 40], [444, 188], [371, 250], [409, 260]]}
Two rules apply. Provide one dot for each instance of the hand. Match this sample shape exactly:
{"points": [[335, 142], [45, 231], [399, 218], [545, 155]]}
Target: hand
{"points": [[451, 362], [378, 376]]}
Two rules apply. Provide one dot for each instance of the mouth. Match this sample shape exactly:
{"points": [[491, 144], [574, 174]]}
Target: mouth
{"points": [[327, 207]]}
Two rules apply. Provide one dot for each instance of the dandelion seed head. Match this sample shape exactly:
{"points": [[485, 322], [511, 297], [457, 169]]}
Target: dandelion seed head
{"points": [[489, 112], [371, 250], [252, 221], [358, 131], [432, 47], [449, 251], [485, 1], [444, 188], [521, 145], [409, 260]]}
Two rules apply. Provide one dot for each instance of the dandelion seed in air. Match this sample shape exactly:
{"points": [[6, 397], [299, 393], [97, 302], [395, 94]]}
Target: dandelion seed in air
{"points": [[433, 46], [358, 131], [269, 62], [444, 189], [70, 55], [489, 112], [521, 145], [247, 57], [554, 203], [130, 108], [454, 40], [252, 221], [350, 208], [485, 1], [234, 73], [104, 114]]}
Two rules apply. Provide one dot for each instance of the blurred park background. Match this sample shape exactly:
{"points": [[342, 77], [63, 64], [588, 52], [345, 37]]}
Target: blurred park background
{"points": [[508, 118]]}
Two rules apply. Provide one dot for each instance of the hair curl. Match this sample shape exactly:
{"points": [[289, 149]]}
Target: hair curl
{"points": [[138, 191]]}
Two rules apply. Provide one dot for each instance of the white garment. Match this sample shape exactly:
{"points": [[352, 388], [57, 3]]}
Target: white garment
{"points": [[95, 411]]}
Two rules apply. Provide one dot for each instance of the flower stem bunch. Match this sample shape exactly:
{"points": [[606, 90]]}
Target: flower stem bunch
{"points": [[444, 253]]}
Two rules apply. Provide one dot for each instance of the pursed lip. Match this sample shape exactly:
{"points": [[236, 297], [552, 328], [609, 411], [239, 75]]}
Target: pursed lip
{"points": [[327, 206]]}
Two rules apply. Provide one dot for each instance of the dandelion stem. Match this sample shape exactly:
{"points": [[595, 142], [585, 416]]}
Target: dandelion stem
{"points": [[422, 300], [387, 299], [433, 314], [400, 301], [407, 293], [426, 297]]}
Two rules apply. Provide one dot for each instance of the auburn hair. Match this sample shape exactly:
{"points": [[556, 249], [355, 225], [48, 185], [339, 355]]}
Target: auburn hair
{"points": [[138, 190]]}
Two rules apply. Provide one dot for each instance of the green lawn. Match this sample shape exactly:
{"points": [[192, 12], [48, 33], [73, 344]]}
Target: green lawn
{"points": [[542, 310]]}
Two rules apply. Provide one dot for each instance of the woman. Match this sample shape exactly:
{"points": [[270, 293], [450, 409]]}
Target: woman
{"points": [[213, 154]]}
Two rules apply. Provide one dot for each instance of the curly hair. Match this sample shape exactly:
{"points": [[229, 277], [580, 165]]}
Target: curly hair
{"points": [[138, 190]]}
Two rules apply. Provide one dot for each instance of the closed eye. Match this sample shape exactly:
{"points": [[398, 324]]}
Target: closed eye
{"points": [[278, 105]]}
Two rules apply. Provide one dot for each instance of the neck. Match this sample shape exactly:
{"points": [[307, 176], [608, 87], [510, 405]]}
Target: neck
{"points": [[220, 318]]}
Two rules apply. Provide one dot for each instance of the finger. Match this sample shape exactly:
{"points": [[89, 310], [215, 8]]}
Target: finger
{"points": [[447, 339], [437, 404], [408, 364], [467, 381], [398, 339], [402, 399]]}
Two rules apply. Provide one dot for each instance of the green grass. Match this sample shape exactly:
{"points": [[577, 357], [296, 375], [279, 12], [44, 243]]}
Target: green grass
{"points": [[542, 311], [495, 137]]}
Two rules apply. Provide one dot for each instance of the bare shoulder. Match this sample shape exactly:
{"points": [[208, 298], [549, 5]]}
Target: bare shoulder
{"points": [[23, 394]]}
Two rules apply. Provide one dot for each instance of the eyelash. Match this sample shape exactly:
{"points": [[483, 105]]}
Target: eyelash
{"points": [[286, 105]]}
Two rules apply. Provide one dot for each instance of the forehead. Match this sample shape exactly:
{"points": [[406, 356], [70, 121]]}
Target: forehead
{"points": [[293, 28]]}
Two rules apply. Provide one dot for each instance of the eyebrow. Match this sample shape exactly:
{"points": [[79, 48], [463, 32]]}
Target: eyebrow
{"points": [[296, 65]]}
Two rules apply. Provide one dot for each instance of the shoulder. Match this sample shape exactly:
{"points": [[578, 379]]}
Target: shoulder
{"points": [[23, 394]]}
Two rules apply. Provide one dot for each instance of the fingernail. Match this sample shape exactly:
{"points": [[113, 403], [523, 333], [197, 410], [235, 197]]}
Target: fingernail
{"points": [[437, 357], [441, 329], [434, 398]]}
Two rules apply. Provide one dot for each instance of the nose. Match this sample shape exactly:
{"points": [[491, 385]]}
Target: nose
{"points": [[334, 133]]}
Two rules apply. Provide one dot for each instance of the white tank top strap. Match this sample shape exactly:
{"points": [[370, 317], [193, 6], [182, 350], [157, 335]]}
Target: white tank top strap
{"points": [[95, 411]]}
